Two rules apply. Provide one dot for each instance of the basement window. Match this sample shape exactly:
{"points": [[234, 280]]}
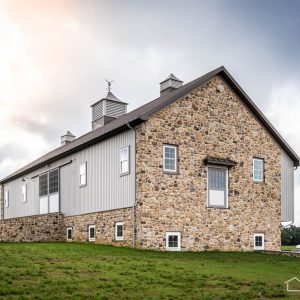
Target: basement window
{"points": [[119, 234], [92, 233], [24, 193], [258, 170], [173, 241], [6, 199], [69, 233], [124, 161], [82, 174], [259, 241], [170, 159]]}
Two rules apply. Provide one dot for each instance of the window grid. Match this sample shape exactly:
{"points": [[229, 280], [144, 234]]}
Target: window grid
{"points": [[217, 183], [259, 243], [124, 161], [53, 181], [119, 231], [92, 233], [43, 185], [170, 158], [69, 233], [258, 169], [173, 241], [82, 174]]}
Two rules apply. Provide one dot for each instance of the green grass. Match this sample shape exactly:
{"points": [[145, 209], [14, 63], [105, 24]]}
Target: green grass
{"points": [[288, 248], [87, 271]]}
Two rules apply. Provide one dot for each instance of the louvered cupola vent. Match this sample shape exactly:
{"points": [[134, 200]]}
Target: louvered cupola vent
{"points": [[67, 138], [107, 109], [170, 84]]}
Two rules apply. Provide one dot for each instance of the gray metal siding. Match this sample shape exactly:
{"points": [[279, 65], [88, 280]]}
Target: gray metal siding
{"points": [[115, 109], [287, 188], [98, 111], [105, 188]]}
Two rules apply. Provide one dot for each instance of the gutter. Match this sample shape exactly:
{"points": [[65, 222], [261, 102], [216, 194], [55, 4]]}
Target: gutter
{"points": [[135, 198]]}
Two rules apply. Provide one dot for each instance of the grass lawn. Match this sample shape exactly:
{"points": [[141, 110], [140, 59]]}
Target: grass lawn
{"points": [[288, 248], [87, 271]]}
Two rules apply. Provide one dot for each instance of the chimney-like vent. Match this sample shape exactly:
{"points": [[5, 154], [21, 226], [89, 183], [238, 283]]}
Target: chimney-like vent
{"points": [[170, 84], [67, 138], [107, 109]]}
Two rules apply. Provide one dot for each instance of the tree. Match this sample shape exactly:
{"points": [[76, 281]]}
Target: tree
{"points": [[290, 236]]}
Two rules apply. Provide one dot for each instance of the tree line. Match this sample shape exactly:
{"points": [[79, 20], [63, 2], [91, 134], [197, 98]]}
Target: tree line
{"points": [[290, 236]]}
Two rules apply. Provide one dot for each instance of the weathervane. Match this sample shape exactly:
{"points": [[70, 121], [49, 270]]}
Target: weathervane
{"points": [[108, 84]]}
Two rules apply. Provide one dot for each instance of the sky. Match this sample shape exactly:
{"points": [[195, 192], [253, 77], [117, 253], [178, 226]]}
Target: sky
{"points": [[56, 55]]}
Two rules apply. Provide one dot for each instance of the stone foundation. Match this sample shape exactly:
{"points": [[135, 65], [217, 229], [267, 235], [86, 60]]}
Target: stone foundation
{"points": [[104, 226], [39, 228]]}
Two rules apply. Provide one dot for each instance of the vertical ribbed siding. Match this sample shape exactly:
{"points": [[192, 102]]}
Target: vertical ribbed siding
{"points": [[115, 109], [287, 188], [97, 111], [105, 188]]}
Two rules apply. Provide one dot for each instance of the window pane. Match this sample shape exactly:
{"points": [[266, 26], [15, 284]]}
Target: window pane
{"points": [[258, 241], [217, 179], [170, 158], [170, 152], [69, 235], [92, 232], [123, 154], [53, 181], [43, 185], [119, 230], [82, 169], [258, 169], [124, 166], [173, 241]]}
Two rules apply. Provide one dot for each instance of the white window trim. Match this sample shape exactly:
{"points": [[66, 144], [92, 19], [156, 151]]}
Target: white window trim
{"points": [[176, 158], [262, 247], [6, 198], [119, 238], [24, 193], [69, 228], [128, 160], [262, 171], [92, 239], [168, 233], [226, 191], [83, 174]]}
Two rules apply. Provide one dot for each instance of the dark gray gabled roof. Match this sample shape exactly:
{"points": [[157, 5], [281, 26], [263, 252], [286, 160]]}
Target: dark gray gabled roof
{"points": [[173, 77], [110, 96], [142, 114], [219, 161]]}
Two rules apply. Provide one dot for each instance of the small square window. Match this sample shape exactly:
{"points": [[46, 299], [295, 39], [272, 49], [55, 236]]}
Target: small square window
{"points": [[82, 174], [119, 231], [258, 170], [170, 158], [259, 241], [92, 233], [124, 161], [173, 241], [69, 233]]}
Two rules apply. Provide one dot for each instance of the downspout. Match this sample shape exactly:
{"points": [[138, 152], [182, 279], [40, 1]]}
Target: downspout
{"points": [[1, 202], [134, 205]]}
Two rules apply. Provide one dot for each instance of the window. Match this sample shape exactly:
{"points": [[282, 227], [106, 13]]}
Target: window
{"points": [[49, 183], [53, 181], [259, 241], [92, 233], [258, 170], [69, 233], [217, 187], [170, 158], [6, 199], [82, 174], [43, 185], [24, 193], [124, 161], [173, 241], [119, 231]]}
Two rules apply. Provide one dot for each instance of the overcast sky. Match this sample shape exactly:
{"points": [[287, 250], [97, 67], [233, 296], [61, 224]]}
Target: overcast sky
{"points": [[55, 55]]}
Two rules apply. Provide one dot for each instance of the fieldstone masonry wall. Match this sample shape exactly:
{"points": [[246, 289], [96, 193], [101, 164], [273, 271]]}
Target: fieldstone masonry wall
{"points": [[211, 121], [39, 228], [104, 225]]}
